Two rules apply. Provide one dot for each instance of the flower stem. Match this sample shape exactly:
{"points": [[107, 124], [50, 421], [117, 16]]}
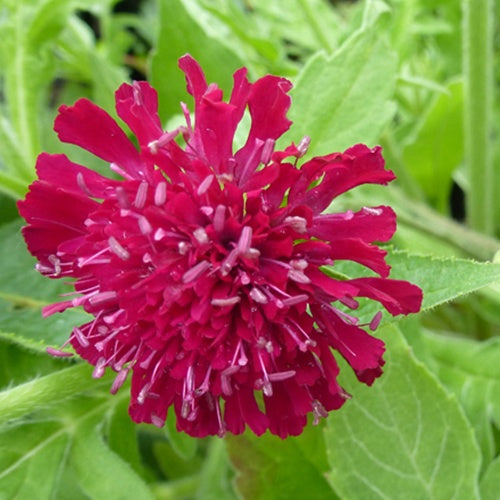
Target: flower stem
{"points": [[46, 391], [478, 77]]}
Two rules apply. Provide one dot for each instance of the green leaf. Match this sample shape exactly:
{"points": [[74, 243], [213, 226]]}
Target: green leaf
{"points": [[39, 456], [344, 99], [182, 33], [23, 292], [471, 370], [490, 483], [402, 438], [101, 473], [183, 444], [441, 279], [271, 468], [437, 149]]}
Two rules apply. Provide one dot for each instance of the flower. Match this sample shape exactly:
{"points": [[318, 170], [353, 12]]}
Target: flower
{"points": [[202, 267]]}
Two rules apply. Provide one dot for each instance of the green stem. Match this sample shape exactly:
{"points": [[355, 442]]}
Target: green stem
{"points": [[423, 218], [478, 77], [185, 487], [47, 391]]}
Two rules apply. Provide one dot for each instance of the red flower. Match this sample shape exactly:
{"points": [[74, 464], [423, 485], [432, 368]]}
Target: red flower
{"points": [[202, 266]]}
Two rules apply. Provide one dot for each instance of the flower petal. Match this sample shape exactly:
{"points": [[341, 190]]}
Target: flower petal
{"points": [[91, 128]]}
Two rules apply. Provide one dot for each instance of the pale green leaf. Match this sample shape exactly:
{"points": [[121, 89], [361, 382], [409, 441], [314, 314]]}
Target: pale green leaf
{"points": [[183, 444], [344, 99], [23, 292], [271, 468], [437, 149], [403, 438], [471, 370], [181, 33], [490, 483]]}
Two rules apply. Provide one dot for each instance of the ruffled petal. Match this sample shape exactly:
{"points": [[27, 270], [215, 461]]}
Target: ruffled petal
{"points": [[137, 106], [91, 128]]}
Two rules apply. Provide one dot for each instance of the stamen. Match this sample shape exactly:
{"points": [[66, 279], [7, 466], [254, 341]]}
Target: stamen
{"points": [[303, 145], [141, 195], [157, 421], [119, 380], [183, 247], [160, 233], [267, 151], [372, 210], [245, 240], [231, 301], [375, 322], [102, 297], [219, 218], [58, 353], [298, 224], [144, 225], [122, 198], [319, 411], [80, 337], [115, 168], [201, 236], [117, 249], [83, 262], [56, 262], [81, 184], [298, 276], [160, 193], [196, 271], [279, 376], [205, 184], [162, 141], [258, 296], [229, 261], [141, 397], [100, 368], [297, 299]]}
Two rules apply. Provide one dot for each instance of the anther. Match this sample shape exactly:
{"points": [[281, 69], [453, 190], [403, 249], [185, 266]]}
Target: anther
{"points": [[267, 151], [141, 195], [144, 225], [205, 184], [100, 368], [258, 296], [201, 236], [160, 193], [231, 301], [303, 145], [298, 224], [117, 249], [245, 240], [375, 322], [196, 271], [219, 218]]}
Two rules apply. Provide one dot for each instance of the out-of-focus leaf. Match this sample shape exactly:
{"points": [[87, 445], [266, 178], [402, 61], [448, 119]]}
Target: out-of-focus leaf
{"points": [[39, 455], [471, 370], [490, 482], [437, 149], [271, 468], [181, 33], [344, 99], [23, 292], [183, 444], [402, 438]]}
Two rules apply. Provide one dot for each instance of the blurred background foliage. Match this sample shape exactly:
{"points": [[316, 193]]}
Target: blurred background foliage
{"points": [[382, 72]]}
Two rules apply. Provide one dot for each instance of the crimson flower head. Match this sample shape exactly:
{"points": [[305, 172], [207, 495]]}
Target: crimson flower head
{"points": [[202, 265]]}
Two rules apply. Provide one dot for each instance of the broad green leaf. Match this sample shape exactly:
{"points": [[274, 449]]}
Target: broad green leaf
{"points": [[344, 99], [39, 456], [441, 279], [471, 370], [490, 483], [31, 456], [214, 477], [181, 33], [402, 438], [23, 292], [183, 444], [101, 473], [271, 468], [437, 149]]}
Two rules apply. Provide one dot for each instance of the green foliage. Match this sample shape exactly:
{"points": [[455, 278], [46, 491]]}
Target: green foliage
{"points": [[372, 71], [402, 438]]}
